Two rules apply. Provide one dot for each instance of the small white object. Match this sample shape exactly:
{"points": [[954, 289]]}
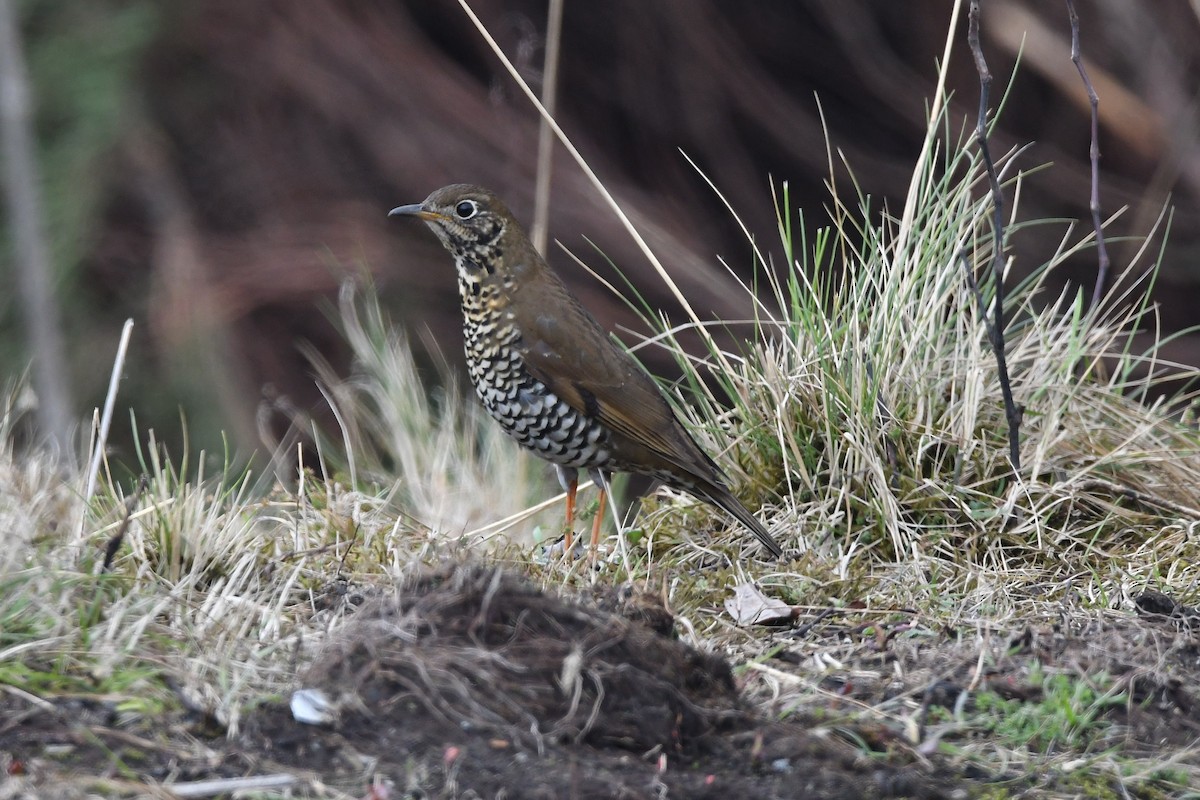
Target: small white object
{"points": [[312, 707]]}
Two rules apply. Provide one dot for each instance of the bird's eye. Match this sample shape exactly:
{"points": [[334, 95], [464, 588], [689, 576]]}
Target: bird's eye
{"points": [[466, 209]]}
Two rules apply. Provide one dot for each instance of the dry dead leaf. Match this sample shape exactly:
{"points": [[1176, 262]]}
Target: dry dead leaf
{"points": [[749, 606]]}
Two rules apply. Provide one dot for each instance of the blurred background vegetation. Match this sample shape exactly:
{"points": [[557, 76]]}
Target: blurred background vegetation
{"points": [[215, 168]]}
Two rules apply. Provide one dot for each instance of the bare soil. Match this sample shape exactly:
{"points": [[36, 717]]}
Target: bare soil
{"points": [[471, 683]]}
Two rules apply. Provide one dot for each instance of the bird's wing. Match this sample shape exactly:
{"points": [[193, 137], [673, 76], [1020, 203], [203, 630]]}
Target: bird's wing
{"points": [[567, 349]]}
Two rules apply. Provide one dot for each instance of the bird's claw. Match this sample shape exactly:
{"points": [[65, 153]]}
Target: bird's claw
{"points": [[556, 550]]}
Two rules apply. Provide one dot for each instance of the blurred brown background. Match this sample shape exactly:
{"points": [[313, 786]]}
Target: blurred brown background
{"points": [[214, 168]]}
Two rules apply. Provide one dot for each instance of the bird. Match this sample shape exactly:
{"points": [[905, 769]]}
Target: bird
{"points": [[549, 373]]}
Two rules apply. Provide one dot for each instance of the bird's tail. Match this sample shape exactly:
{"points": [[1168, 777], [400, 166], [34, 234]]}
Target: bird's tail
{"points": [[720, 496]]}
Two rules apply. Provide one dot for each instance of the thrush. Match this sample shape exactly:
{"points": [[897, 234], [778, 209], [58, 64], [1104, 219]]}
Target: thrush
{"points": [[549, 373]]}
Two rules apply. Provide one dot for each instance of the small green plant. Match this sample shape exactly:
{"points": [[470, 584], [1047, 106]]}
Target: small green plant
{"points": [[1066, 716]]}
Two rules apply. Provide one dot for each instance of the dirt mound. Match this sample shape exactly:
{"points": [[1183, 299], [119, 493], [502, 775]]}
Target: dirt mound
{"points": [[470, 677], [486, 650]]}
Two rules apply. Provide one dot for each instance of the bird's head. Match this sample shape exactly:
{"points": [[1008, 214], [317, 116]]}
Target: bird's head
{"points": [[469, 220]]}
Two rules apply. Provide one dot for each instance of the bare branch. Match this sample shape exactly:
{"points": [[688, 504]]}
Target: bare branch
{"points": [[1094, 200], [1012, 411]]}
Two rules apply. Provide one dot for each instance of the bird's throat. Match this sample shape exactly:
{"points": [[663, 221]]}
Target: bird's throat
{"points": [[488, 322]]}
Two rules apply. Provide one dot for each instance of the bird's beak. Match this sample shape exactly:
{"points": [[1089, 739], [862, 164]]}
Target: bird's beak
{"points": [[414, 210]]}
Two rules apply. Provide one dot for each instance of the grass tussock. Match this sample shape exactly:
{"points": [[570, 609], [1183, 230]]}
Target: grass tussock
{"points": [[868, 416]]}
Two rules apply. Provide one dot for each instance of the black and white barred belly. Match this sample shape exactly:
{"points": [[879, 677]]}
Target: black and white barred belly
{"points": [[525, 407]]}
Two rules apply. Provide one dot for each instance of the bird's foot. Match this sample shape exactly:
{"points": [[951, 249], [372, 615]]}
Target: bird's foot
{"points": [[557, 550]]}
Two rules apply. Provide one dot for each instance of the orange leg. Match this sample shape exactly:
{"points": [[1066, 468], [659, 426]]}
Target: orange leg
{"points": [[568, 540], [597, 522]]}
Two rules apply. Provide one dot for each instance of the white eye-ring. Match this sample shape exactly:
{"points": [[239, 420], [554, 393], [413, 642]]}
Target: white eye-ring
{"points": [[466, 209]]}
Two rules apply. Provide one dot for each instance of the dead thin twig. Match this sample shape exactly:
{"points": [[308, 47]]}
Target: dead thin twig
{"points": [[1094, 154], [1012, 412], [114, 543], [211, 788]]}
